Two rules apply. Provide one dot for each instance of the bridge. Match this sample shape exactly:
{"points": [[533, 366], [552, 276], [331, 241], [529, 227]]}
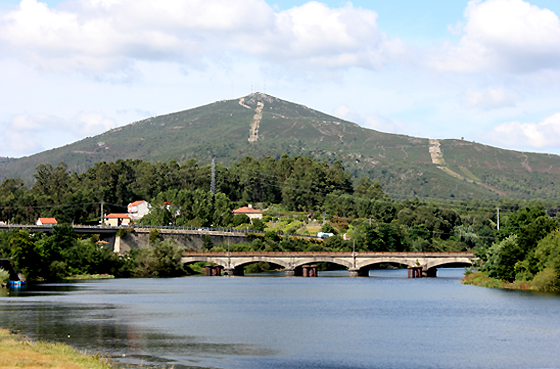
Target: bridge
{"points": [[420, 264]]}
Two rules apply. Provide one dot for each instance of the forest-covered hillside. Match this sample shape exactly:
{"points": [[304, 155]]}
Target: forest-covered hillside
{"points": [[260, 125]]}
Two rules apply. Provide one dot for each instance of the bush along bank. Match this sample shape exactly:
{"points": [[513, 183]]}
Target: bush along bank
{"points": [[62, 254]]}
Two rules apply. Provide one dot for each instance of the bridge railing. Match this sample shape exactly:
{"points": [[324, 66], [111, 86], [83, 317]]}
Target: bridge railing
{"points": [[231, 230], [202, 229], [35, 226]]}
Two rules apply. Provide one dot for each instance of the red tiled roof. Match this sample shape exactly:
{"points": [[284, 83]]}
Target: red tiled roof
{"points": [[48, 220], [246, 209], [135, 203], [117, 215]]}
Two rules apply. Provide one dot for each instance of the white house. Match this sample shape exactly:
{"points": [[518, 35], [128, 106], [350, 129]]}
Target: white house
{"points": [[117, 219], [137, 209], [249, 211], [46, 221]]}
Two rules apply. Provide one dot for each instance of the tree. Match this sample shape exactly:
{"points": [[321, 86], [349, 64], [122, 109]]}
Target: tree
{"points": [[258, 225], [239, 219], [168, 259], [384, 237], [501, 258], [366, 188], [222, 215], [26, 259], [328, 228]]}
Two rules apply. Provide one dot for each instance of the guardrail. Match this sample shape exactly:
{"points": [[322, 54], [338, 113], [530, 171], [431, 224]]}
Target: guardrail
{"points": [[202, 229], [232, 230]]}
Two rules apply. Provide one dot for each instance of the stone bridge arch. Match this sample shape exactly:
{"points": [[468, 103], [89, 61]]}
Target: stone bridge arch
{"points": [[368, 263], [322, 259], [235, 266], [441, 262]]}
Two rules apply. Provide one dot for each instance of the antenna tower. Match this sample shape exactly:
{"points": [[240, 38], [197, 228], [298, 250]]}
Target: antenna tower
{"points": [[213, 181]]}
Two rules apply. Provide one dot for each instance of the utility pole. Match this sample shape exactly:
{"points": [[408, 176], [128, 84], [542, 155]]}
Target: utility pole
{"points": [[498, 224], [228, 254], [354, 251], [101, 219], [213, 181]]}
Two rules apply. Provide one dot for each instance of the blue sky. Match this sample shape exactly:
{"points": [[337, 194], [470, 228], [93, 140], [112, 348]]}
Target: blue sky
{"points": [[485, 70]]}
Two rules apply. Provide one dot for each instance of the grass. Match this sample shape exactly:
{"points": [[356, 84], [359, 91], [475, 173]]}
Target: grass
{"points": [[20, 352]]}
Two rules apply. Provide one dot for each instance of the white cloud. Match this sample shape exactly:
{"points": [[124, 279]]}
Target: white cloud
{"points": [[346, 113], [21, 144], [90, 124], [106, 36], [490, 98], [503, 35], [29, 133], [373, 121], [543, 135]]}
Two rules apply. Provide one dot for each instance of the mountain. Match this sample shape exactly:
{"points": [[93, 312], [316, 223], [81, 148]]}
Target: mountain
{"points": [[261, 125]]}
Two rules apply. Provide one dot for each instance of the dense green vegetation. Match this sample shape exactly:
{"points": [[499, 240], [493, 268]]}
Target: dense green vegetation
{"points": [[527, 252], [299, 195], [61, 254]]}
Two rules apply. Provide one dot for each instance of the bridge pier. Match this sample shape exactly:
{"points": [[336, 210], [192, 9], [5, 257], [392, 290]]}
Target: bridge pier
{"points": [[309, 271], [429, 273], [289, 273], [358, 272], [213, 270], [294, 272], [415, 272], [229, 272]]}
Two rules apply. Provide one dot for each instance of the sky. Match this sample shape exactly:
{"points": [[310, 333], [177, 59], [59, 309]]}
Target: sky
{"points": [[484, 70]]}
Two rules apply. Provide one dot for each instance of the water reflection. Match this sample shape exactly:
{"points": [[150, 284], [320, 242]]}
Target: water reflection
{"points": [[383, 321]]}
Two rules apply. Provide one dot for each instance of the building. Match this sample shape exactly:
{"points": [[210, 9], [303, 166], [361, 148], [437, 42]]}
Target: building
{"points": [[46, 221], [117, 219], [137, 209], [249, 211]]}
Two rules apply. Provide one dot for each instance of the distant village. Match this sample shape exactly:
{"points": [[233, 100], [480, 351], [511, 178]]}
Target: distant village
{"points": [[140, 208]]}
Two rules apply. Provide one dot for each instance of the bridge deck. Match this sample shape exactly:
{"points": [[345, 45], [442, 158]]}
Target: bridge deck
{"points": [[329, 253]]}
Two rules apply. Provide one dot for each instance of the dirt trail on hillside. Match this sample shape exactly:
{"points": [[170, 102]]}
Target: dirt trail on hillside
{"points": [[437, 159], [242, 104], [435, 152], [254, 130]]}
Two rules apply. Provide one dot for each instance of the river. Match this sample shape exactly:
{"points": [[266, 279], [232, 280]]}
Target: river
{"points": [[270, 321]]}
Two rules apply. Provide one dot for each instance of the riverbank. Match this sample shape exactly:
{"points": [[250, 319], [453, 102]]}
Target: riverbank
{"points": [[482, 279], [90, 276], [21, 352]]}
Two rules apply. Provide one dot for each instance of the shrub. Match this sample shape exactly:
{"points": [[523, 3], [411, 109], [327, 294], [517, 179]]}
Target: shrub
{"points": [[122, 232], [271, 235], [4, 276], [239, 219], [154, 236], [207, 243], [546, 280], [258, 225], [328, 228]]}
